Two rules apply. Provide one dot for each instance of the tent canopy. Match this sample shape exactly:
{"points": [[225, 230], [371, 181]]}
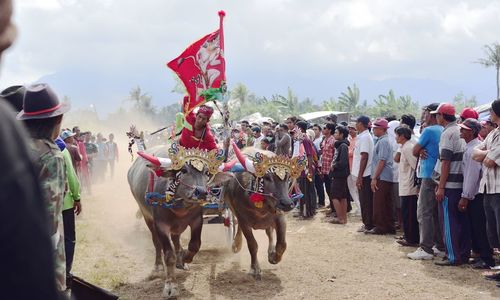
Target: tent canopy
{"points": [[342, 116], [257, 118]]}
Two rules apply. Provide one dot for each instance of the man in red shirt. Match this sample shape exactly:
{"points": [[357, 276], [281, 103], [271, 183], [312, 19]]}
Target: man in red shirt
{"points": [[196, 134], [327, 152]]}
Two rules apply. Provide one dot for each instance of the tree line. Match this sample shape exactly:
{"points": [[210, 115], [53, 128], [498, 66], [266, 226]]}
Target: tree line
{"points": [[243, 102]]}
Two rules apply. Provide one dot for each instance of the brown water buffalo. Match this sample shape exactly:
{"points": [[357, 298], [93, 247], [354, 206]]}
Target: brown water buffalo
{"points": [[167, 224], [270, 217]]}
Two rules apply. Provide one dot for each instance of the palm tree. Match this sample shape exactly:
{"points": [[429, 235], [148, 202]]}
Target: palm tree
{"points": [[390, 104], [240, 92], [385, 104], [142, 101], [289, 104], [349, 100], [331, 104], [492, 60]]}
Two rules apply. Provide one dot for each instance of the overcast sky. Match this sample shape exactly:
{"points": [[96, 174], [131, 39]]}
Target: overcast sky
{"points": [[317, 47]]}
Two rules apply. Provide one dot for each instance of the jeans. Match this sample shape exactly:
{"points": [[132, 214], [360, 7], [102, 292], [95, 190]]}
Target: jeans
{"points": [[477, 220], [320, 191], [492, 212], [410, 223], [69, 237], [427, 216], [366, 201]]}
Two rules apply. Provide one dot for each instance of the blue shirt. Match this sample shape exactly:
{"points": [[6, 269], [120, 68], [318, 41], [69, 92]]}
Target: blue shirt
{"points": [[383, 151], [429, 141]]}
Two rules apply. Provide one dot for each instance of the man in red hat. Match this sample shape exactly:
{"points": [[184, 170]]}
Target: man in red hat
{"points": [[467, 113], [197, 134], [448, 174], [381, 180], [486, 127], [472, 198]]}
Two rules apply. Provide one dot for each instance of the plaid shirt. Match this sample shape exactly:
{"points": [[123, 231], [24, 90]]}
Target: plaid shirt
{"points": [[490, 183], [328, 150]]}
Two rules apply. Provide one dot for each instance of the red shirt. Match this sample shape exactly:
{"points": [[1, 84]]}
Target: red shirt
{"points": [[188, 140]]}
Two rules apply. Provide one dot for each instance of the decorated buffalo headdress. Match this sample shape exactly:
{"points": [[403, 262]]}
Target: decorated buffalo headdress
{"points": [[178, 157], [197, 158], [262, 165], [279, 165]]}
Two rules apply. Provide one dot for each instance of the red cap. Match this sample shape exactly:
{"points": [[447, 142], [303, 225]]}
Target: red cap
{"points": [[206, 110], [445, 109], [469, 112], [381, 123]]}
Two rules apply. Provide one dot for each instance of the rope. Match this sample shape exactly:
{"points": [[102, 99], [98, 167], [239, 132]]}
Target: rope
{"points": [[251, 191], [151, 196]]}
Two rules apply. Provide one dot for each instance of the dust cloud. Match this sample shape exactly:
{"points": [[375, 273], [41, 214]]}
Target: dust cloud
{"points": [[114, 245]]}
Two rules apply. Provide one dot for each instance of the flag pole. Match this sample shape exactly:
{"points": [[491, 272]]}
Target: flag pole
{"points": [[225, 115], [222, 14]]}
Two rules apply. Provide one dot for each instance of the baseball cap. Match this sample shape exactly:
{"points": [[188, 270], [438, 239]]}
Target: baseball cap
{"points": [[351, 125], [445, 109], [66, 134], [471, 124], [381, 123], [363, 120], [469, 112], [332, 117], [256, 129], [484, 123], [431, 107]]}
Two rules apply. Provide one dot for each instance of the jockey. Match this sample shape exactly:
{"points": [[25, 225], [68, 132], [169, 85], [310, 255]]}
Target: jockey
{"points": [[196, 133]]}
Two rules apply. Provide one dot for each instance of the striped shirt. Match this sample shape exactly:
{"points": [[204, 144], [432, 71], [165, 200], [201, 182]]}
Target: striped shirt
{"points": [[451, 147], [490, 182]]}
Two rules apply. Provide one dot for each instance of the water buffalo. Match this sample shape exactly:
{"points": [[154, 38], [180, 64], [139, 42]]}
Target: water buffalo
{"points": [[167, 224], [270, 216]]}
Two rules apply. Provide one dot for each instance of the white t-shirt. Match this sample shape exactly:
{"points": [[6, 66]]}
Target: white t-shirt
{"points": [[256, 142], [364, 143], [407, 167], [317, 142]]}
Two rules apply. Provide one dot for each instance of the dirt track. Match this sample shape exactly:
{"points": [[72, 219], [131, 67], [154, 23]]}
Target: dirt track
{"points": [[322, 261]]}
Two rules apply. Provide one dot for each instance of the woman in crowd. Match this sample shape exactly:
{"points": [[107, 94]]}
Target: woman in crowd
{"points": [[339, 173], [308, 202]]}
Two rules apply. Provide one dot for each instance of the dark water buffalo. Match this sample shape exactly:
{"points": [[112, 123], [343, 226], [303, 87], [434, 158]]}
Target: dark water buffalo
{"points": [[270, 217], [167, 225]]}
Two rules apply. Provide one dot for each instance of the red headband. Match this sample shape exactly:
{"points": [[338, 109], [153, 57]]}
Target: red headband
{"points": [[206, 110]]}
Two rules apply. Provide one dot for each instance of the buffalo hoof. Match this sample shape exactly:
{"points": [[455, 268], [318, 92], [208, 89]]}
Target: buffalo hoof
{"points": [[188, 256], [180, 263], [182, 266], [255, 274], [157, 272], [170, 290], [273, 258], [236, 247]]}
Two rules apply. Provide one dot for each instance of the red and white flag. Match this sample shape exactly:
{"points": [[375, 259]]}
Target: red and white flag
{"points": [[201, 66]]}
